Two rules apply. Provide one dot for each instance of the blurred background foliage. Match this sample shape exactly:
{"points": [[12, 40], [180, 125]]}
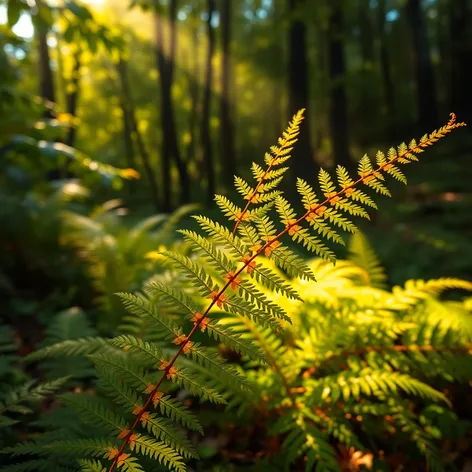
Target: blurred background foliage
{"points": [[116, 117]]}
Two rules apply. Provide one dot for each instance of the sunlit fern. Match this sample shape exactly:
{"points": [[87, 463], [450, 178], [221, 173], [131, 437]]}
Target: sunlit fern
{"points": [[141, 420]]}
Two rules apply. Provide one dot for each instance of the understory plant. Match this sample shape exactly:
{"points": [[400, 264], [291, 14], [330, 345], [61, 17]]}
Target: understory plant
{"points": [[316, 358]]}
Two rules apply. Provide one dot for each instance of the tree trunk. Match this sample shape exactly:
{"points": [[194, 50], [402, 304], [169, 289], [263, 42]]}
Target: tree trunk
{"points": [[170, 146], [166, 151], [338, 99], [303, 155], [423, 67], [368, 99], [386, 71], [205, 127], [181, 165], [46, 80], [72, 97], [128, 142], [461, 59], [228, 157], [193, 88], [129, 117]]}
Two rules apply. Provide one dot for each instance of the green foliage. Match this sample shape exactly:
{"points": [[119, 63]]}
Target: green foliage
{"points": [[120, 258], [349, 348]]}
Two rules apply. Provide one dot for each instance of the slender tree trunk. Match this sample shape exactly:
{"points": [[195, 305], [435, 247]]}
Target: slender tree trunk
{"points": [[46, 80], [205, 127], [303, 155], [227, 124], [368, 99], [132, 125], [72, 97], [193, 87], [170, 146], [174, 140], [337, 70], [461, 59], [128, 142], [424, 71], [166, 149], [386, 71]]}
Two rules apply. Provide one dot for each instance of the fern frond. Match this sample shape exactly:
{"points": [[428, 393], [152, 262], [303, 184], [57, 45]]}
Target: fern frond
{"points": [[72, 347], [368, 382], [91, 466], [158, 451], [140, 306], [11, 399], [95, 411], [362, 254]]}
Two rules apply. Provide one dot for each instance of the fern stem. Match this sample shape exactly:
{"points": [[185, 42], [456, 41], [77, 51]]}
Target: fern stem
{"points": [[254, 193], [426, 141], [298, 117]]}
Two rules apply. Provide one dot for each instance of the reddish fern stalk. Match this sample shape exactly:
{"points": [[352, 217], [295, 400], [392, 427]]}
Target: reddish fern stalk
{"points": [[248, 263]]}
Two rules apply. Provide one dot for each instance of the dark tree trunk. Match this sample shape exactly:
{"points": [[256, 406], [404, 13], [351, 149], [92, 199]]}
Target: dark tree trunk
{"points": [[368, 99], [193, 87], [170, 146], [303, 155], [181, 165], [46, 80], [386, 71], [127, 135], [205, 128], [228, 158], [72, 97], [130, 121], [423, 67], [461, 59], [338, 102], [128, 142], [166, 150]]}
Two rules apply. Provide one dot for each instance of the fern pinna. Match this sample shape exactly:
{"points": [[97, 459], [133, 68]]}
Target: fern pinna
{"points": [[138, 374]]}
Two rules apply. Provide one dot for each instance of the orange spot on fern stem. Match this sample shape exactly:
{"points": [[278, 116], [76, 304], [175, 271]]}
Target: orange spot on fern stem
{"points": [[218, 298], [164, 365], [145, 417], [332, 197], [242, 216], [235, 280], [122, 457], [123, 433], [316, 212], [256, 248], [197, 318], [251, 265], [348, 192], [156, 398], [171, 372], [368, 179], [271, 247], [180, 339], [112, 453], [188, 347], [292, 227], [137, 410], [133, 438], [254, 198], [388, 166], [149, 388]]}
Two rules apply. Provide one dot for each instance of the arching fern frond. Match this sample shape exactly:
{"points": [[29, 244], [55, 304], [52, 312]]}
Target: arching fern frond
{"points": [[139, 374]]}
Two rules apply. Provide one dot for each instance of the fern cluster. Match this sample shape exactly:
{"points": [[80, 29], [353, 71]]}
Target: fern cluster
{"points": [[223, 289], [359, 359]]}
